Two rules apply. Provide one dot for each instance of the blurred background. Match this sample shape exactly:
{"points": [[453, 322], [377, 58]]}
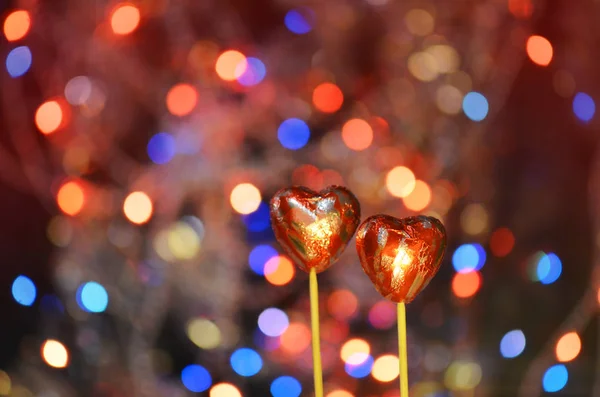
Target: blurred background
{"points": [[140, 143]]}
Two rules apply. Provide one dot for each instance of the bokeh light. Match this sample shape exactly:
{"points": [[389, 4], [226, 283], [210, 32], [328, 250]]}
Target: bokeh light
{"points": [[468, 257], [231, 65], [137, 207], [382, 315], [474, 219], [183, 240], [462, 375], [568, 347], [339, 393], [502, 241], [279, 270], [299, 21], [124, 19], [555, 378], [23, 290], [224, 390], [48, 117], [286, 386], [342, 304], [92, 297], [465, 285], [400, 181], [512, 344], [246, 362], [419, 22], [293, 134], [70, 198], [204, 333], [475, 106], [386, 368], [258, 220], [419, 198], [259, 256], [181, 99], [245, 198], [539, 50], [18, 61], [355, 351], [359, 370], [16, 25], [78, 90], [327, 98], [161, 148], [549, 268], [196, 378], [296, 338], [520, 8], [254, 72], [584, 107], [357, 134], [273, 322], [55, 354]]}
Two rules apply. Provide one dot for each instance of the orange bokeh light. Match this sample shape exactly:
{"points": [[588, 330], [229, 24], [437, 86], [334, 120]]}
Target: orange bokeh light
{"points": [[231, 65], [386, 368], [181, 99], [342, 304], [137, 207], [520, 8], [568, 347], [419, 198], [465, 285], [357, 134], [328, 98], [502, 242], [70, 198], [279, 270], [124, 19], [355, 351], [539, 50], [48, 117], [340, 393], [295, 339], [17, 25], [224, 390], [400, 181]]}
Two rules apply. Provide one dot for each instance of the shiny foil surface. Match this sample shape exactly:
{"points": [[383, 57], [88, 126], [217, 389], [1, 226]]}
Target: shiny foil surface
{"points": [[314, 228], [401, 256]]}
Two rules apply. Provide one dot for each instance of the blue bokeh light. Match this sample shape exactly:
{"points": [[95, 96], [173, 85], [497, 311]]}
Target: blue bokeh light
{"points": [[246, 362], [24, 291], [475, 106], [259, 256], [196, 378], [555, 378], [273, 321], [468, 257], [286, 386], [360, 370], [549, 268], [299, 21], [512, 344], [259, 220], [92, 297], [161, 148], [293, 134], [255, 72], [584, 106], [18, 61]]}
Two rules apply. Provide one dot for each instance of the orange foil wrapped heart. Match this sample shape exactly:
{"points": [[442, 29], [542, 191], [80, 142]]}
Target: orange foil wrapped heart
{"points": [[314, 228], [400, 256]]}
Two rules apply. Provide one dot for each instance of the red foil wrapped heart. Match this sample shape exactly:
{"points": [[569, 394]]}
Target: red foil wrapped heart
{"points": [[314, 228], [400, 256]]}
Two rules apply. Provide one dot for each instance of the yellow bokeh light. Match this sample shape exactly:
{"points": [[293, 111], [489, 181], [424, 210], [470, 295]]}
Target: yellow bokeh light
{"points": [[245, 198], [4, 384], [568, 347], [224, 390], [462, 375], [231, 65], [204, 333], [55, 354], [449, 99], [355, 351], [446, 57], [16, 25], [419, 198], [386, 368], [125, 19], [340, 393], [48, 117], [400, 181], [423, 66], [137, 207], [183, 241], [474, 219], [419, 22]]}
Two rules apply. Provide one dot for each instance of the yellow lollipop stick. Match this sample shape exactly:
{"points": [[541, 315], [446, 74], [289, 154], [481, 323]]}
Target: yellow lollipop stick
{"points": [[402, 351], [316, 339]]}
